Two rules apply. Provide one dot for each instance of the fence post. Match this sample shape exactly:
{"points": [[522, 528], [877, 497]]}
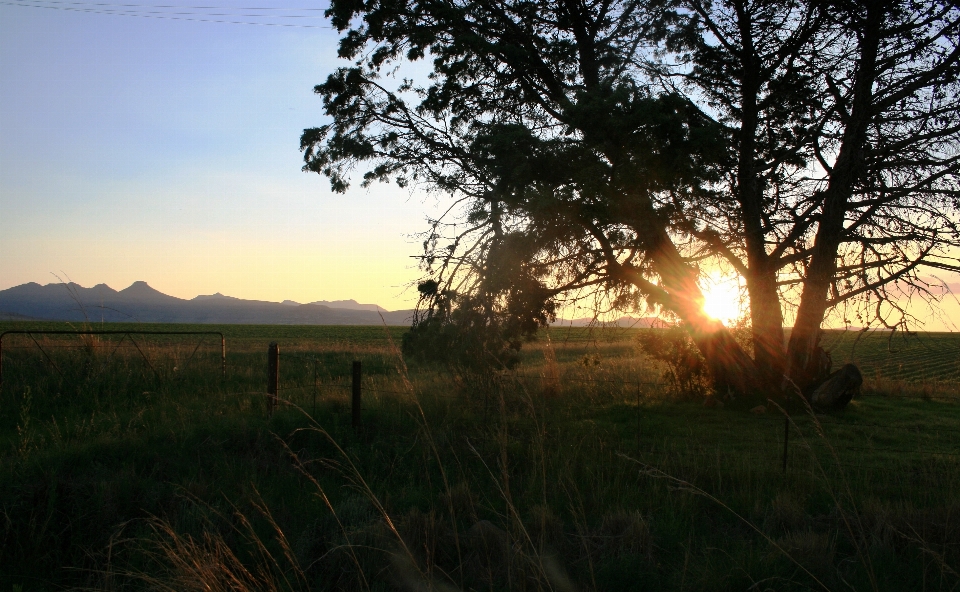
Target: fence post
{"points": [[786, 437], [273, 376], [638, 417], [223, 356], [356, 394]]}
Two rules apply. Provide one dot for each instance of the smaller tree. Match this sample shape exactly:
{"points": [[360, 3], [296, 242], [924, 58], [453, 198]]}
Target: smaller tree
{"points": [[476, 332], [685, 370]]}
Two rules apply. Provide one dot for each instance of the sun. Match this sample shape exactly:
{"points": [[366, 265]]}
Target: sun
{"points": [[722, 299]]}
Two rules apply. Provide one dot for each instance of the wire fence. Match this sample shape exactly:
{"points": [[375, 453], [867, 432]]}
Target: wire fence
{"points": [[307, 379], [788, 436]]}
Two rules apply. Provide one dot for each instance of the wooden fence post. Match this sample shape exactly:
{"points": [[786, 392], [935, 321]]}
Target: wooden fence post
{"points": [[638, 417], [223, 357], [786, 437], [273, 376], [356, 395]]}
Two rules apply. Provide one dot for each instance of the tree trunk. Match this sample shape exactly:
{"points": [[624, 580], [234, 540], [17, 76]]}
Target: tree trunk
{"points": [[766, 318], [804, 339], [765, 314], [732, 369]]}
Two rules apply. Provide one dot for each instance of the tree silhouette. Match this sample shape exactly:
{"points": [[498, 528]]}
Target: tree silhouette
{"points": [[623, 147]]}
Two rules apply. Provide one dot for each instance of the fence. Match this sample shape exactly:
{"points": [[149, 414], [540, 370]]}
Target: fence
{"points": [[781, 422], [774, 446]]}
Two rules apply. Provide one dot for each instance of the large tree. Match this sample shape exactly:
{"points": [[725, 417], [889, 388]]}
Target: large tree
{"points": [[624, 147], [843, 118]]}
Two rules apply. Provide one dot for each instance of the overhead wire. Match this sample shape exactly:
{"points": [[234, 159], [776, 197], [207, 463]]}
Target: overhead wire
{"points": [[177, 16], [73, 3]]}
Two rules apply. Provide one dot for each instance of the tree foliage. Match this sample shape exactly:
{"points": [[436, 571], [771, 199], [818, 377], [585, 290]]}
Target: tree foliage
{"points": [[620, 148], [684, 369], [470, 332]]}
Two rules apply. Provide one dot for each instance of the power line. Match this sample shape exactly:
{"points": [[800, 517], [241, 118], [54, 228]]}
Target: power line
{"points": [[24, 3], [42, 4], [181, 16]]}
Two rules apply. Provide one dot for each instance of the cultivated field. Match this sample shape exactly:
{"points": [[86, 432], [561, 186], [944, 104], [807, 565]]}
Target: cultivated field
{"points": [[129, 462]]}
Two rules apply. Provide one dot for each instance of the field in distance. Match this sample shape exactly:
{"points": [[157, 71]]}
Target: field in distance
{"points": [[884, 357]]}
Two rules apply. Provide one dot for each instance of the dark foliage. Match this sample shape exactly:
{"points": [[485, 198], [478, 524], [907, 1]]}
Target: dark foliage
{"points": [[685, 369], [470, 333], [618, 148]]}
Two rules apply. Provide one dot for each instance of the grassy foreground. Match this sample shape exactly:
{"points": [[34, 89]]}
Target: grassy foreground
{"points": [[141, 468]]}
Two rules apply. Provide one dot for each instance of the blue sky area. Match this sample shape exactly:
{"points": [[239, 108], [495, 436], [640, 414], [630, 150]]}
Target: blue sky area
{"points": [[167, 150]]}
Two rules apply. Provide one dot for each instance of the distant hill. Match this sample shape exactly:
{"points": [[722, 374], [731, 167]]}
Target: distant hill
{"points": [[624, 322], [12, 316], [141, 303], [348, 304]]}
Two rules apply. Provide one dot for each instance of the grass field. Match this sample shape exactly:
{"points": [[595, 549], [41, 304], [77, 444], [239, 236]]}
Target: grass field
{"points": [[127, 467]]}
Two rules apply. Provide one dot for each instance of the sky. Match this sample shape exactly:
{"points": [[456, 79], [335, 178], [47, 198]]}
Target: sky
{"points": [[167, 151], [165, 148]]}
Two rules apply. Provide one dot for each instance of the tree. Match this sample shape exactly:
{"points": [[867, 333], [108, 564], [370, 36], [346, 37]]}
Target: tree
{"points": [[844, 121], [624, 146]]}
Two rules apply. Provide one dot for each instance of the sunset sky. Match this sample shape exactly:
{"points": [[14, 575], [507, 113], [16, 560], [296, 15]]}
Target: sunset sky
{"points": [[164, 150]]}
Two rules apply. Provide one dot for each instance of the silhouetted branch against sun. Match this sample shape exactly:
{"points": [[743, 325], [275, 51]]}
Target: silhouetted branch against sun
{"points": [[633, 148]]}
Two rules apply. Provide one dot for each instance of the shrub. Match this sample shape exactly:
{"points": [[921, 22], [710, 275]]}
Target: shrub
{"points": [[685, 369]]}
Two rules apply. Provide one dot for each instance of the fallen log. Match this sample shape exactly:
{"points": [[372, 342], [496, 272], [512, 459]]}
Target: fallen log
{"points": [[838, 389]]}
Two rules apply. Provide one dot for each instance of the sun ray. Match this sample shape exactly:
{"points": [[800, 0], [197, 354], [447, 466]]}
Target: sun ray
{"points": [[722, 298]]}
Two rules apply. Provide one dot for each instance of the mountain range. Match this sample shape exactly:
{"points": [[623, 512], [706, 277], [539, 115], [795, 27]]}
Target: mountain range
{"points": [[141, 303]]}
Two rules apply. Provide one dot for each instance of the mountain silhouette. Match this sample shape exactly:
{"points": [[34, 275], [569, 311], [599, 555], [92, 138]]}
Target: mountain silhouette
{"points": [[142, 292], [139, 302], [348, 304]]}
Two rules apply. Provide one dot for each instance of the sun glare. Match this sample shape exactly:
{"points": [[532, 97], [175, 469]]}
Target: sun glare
{"points": [[722, 300]]}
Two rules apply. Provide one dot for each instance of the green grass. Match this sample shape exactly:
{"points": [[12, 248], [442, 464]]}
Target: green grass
{"points": [[915, 357], [117, 475]]}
